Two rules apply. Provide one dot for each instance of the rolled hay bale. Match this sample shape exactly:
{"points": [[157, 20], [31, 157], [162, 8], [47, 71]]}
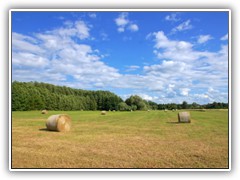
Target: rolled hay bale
{"points": [[44, 111], [103, 113], [59, 122], [184, 117]]}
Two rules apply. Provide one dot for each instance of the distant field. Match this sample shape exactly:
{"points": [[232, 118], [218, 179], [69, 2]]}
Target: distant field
{"points": [[138, 139]]}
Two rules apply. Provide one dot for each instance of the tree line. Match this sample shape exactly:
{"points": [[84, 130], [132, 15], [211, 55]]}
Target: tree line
{"points": [[38, 96]]}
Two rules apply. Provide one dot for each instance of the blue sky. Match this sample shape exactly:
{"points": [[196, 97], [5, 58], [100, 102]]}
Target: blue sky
{"points": [[166, 57]]}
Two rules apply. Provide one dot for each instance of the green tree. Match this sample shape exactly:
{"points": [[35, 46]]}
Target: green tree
{"points": [[184, 105], [137, 101], [122, 106]]}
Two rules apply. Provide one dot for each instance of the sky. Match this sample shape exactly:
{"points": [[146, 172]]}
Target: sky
{"points": [[163, 56]]}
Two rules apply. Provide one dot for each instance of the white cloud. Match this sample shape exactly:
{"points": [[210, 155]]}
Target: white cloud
{"points": [[133, 27], [204, 38], [224, 38], [186, 25], [29, 60], [92, 15], [121, 29], [182, 70], [104, 36], [82, 29], [172, 17], [122, 19], [25, 43], [167, 67], [57, 56], [184, 91], [122, 22], [78, 28], [146, 97], [132, 68], [170, 49]]}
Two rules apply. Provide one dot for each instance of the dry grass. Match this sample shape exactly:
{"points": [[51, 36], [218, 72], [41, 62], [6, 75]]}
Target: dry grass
{"points": [[122, 140]]}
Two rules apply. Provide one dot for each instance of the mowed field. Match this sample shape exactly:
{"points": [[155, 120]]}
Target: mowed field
{"points": [[137, 139]]}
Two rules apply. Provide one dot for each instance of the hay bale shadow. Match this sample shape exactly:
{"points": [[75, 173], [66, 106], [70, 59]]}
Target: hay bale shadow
{"points": [[172, 122], [44, 129]]}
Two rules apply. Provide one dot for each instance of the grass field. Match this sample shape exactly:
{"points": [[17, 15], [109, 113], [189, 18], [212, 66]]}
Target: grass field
{"points": [[121, 140]]}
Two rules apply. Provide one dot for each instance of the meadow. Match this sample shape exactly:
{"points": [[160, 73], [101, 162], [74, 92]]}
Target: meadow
{"points": [[138, 139]]}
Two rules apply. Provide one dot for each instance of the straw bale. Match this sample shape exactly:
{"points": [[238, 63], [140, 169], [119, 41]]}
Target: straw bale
{"points": [[59, 122], [44, 111], [184, 117], [103, 113]]}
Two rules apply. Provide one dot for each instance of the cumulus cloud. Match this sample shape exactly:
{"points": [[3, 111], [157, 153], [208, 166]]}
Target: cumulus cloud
{"points": [[122, 22], [146, 97], [133, 27], [92, 15], [104, 36], [58, 56], [186, 25], [122, 19], [184, 91], [29, 60], [204, 38], [183, 71], [166, 67], [224, 38], [82, 30], [172, 17], [171, 49], [132, 68], [25, 43], [121, 29]]}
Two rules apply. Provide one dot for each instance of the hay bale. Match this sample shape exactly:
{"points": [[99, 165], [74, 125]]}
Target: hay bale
{"points": [[44, 111], [59, 122], [184, 117], [103, 113]]}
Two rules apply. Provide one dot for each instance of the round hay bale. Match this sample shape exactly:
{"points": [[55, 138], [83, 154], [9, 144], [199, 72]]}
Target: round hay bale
{"points": [[44, 111], [103, 113], [59, 122], [184, 117]]}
